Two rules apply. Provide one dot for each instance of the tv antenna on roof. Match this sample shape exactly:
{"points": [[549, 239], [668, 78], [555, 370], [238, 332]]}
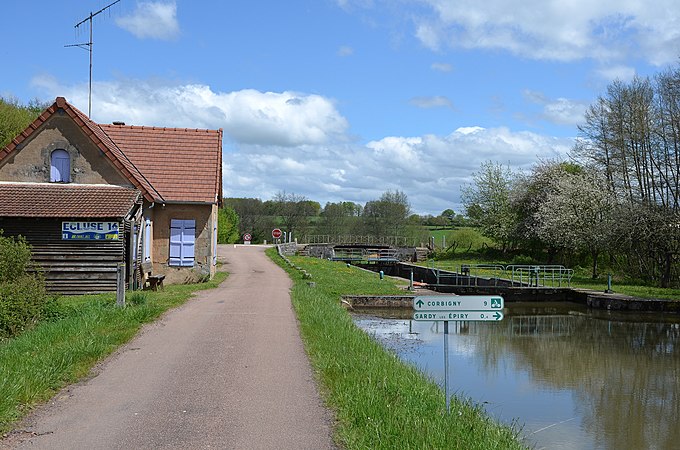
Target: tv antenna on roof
{"points": [[88, 46]]}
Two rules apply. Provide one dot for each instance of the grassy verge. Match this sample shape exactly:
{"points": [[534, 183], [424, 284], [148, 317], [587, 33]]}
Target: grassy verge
{"points": [[34, 365], [379, 401]]}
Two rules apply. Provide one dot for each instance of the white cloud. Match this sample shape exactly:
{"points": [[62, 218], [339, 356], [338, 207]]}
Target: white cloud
{"points": [[247, 116], [431, 102], [298, 143], [605, 30], [617, 72], [156, 20], [560, 111], [442, 67]]}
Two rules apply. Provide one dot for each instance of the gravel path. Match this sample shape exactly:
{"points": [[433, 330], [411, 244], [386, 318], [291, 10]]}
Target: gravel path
{"points": [[227, 370]]}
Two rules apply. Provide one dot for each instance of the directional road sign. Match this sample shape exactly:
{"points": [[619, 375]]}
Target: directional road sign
{"points": [[470, 316], [458, 303]]}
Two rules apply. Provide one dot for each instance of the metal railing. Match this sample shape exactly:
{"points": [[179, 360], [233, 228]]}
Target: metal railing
{"points": [[347, 254], [396, 241], [365, 254], [516, 275], [536, 275]]}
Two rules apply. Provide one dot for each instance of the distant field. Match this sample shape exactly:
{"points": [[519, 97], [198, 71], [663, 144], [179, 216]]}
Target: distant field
{"points": [[463, 238]]}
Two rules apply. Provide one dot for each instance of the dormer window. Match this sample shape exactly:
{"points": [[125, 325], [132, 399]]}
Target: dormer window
{"points": [[60, 166]]}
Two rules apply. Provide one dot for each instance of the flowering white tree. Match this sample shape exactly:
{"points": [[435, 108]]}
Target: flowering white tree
{"points": [[578, 214], [487, 202]]}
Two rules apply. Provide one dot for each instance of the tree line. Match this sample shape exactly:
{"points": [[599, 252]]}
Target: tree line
{"points": [[617, 198], [389, 215]]}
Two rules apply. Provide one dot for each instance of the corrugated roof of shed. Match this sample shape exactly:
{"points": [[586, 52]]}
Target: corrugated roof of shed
{"points": [[66, 200]]}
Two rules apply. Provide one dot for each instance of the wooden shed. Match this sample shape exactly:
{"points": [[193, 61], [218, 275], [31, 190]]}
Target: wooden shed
{"points": [[79, 233]]}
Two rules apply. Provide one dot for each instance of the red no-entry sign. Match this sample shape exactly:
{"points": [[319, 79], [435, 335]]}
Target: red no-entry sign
{"points": [[276, 233]]}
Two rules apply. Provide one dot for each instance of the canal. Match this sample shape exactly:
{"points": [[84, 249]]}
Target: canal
{"points": [[568, 377]]}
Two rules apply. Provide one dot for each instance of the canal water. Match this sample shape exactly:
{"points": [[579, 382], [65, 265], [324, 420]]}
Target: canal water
{"points": [[568, 377]]}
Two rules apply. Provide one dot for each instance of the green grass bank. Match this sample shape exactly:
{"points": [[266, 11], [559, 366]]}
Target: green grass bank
{"points": [[84, 330], [379, 401]]}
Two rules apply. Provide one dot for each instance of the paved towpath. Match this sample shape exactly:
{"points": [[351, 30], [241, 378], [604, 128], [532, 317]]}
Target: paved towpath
{"points": [[227, 371]]}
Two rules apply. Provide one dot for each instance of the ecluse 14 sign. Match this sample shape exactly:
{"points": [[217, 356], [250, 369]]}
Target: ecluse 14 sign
{"points": [[89, 231]]}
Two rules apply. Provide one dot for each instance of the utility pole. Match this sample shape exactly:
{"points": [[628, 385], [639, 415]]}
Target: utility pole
{"points": [[88, 46]]}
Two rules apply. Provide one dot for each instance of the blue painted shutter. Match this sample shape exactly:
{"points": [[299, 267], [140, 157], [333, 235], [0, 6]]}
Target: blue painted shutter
{"points": [[182, 241], [147, 240], [214, 241], [60, 166]]}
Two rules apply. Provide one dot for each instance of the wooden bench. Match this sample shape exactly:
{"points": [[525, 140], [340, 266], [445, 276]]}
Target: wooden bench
{"points": [[153, 282]]}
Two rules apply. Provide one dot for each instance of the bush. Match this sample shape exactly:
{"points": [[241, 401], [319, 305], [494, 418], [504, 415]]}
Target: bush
{"points": [[23, 299], [522, 260], [15, 256], [22, 302]]}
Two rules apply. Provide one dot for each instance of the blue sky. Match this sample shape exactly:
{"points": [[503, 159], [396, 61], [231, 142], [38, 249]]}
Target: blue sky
{"points": [[344, 99]]}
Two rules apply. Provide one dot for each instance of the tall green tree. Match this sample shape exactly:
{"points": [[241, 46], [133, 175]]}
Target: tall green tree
{"points": [[15, 117], [387, 216], [227, 225], [487, 202], [294, 210], [632, 136]]}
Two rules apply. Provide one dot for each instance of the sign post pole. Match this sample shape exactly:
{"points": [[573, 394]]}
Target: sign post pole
{"points": [[467, 308], [446, 366]]}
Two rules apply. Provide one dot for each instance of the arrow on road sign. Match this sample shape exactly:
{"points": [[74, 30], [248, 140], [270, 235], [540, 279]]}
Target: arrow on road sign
{"points": [[466, 316]]}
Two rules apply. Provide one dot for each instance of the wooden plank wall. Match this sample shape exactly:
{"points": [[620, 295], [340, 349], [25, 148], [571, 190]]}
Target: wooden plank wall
{"points": [[69, 267]]}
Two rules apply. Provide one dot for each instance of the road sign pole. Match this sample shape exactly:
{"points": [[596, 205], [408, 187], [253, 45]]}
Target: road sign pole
{"points": [[446, 365], [466, 308]]}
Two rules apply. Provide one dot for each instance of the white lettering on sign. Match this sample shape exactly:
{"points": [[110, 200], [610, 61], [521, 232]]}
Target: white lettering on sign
{"points": [[442, 304], [440, 316], [89, 230]]}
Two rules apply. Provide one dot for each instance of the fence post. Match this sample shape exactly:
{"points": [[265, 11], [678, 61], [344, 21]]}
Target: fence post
{"points": [[120, 285]]}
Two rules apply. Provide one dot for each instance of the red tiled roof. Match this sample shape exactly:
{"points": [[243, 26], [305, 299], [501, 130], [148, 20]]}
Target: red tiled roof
{"points": [[166, 164], [98, 137], [66, 200], [112, 151], [182, 164]]}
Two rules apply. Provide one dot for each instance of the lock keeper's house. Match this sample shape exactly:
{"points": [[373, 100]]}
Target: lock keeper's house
{"points": [[89, 197]]}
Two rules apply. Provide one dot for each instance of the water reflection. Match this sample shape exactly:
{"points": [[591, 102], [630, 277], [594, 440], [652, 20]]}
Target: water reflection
{"points": [[575, 379]]}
